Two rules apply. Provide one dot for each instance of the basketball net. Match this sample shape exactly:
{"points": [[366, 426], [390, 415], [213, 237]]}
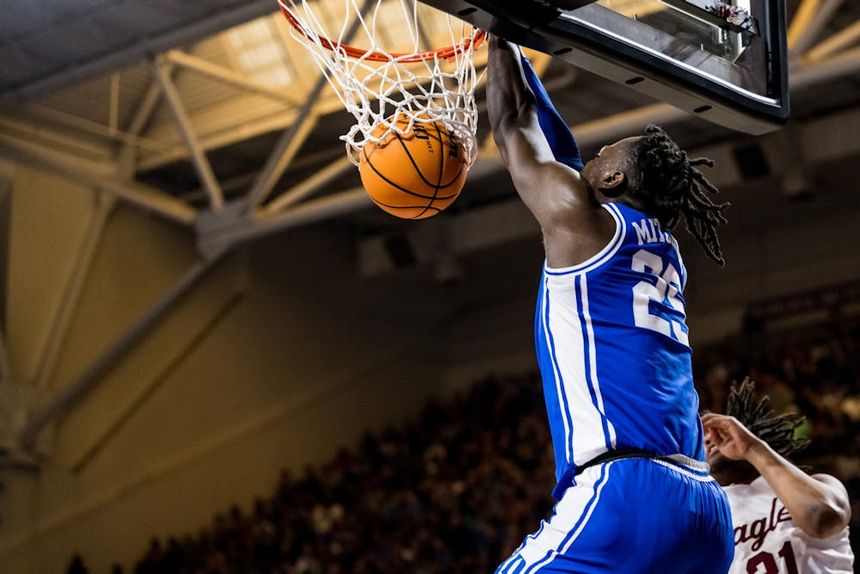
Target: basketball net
{"points": [[393, 90]]}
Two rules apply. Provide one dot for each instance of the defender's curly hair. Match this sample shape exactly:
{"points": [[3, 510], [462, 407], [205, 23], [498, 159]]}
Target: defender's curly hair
{"points": [[754, 412], [670, 186]]}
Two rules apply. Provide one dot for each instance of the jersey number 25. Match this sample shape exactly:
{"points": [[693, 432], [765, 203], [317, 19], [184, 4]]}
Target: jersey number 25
{"points": [[666, 288]]}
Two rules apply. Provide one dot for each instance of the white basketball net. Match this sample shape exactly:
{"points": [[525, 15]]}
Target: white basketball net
{"points": [[392, 90]]}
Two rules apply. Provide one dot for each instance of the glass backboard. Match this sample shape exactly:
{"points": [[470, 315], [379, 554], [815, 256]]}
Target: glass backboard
{"points": [[722, 60]]}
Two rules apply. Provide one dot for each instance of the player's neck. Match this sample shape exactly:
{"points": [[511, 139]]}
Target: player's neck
{"points": [[632, 203]]}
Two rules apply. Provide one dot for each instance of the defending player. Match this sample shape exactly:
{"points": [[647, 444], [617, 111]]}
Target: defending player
{"points": [[634, 491], [785, 520]]}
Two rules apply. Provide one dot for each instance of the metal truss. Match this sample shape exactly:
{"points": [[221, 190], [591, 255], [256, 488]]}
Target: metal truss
{"points": [[74, 390], [224, 225], [74, 288], [808, 22], [186, 130]]}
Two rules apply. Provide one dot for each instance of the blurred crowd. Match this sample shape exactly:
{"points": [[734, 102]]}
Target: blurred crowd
{"points": [[452, 492], [456, 490]]}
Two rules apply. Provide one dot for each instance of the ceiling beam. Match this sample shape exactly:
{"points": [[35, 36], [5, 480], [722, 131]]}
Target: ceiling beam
{"points": [[73, 289], [145, 109], [245, 229], [230, 77], [279, 120], [116, 59], [76, 389], [844, 64], [124, 411], [138, 194], [74, 122], [186, 131], [129, 153], [839, 41], [808, 21], [54, 140], [309, 186], [287, 148]]}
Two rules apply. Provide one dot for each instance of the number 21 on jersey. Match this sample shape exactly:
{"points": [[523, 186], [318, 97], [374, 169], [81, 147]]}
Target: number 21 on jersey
{"points": [[766, 563], [665, 290]]}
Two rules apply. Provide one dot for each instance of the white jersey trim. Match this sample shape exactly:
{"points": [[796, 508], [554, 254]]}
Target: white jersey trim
{"points": [[684, 470], [697, 465], [601, 256], [588, 431], [592, 353], [572, 514], [564, 405]]}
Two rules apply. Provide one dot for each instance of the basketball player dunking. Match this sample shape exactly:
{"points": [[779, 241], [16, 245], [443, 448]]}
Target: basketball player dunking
{"points": [[634, 494], [785, 521]]}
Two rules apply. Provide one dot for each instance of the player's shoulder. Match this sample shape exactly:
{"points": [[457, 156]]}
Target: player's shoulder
{"points": [[563, 244], [748, 489]]}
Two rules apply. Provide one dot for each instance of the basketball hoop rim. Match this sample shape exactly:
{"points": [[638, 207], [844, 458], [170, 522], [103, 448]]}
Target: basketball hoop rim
{"points": [[446, 53]]}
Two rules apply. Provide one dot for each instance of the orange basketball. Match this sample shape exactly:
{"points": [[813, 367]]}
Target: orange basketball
{"points": [[416, 175]]}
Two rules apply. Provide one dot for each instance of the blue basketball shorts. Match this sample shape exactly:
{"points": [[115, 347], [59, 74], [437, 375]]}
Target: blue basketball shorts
{"points": [[633, 516]]}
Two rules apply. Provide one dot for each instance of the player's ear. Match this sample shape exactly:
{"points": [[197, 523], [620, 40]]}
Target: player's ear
{"points": [[613, 184]]}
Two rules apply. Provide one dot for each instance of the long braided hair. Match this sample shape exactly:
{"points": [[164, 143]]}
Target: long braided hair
{"points": [[755, 413], [669, 186]]}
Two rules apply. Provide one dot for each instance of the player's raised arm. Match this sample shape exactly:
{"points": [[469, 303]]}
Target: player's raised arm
{"points": [[818, 504], [552, 191]]}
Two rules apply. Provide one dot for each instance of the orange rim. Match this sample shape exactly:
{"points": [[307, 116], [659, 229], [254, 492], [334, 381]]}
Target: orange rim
{"points": [[375, 56]]}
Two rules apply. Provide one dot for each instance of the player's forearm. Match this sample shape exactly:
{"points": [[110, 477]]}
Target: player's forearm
{"points": [[813, 506], [513, 115], [509, 98], [550, 190]]}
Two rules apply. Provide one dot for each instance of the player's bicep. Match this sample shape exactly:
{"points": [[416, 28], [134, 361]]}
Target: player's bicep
{"points": [[552, 191]]}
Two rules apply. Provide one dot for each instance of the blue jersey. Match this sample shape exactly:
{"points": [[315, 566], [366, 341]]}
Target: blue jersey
{"points": [[614, 352]]}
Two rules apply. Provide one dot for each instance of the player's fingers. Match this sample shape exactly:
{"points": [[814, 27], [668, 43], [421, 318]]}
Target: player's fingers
{"points": [[709, 416], [718, 434], [711, 421], [717, 421]]}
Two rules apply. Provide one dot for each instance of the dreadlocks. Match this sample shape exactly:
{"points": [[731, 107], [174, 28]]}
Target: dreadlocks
{"points": [[755, 413], [670, 186]]}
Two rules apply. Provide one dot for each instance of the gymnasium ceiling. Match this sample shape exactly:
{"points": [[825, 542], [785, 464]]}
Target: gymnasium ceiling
{"points": [[80, 93]]}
